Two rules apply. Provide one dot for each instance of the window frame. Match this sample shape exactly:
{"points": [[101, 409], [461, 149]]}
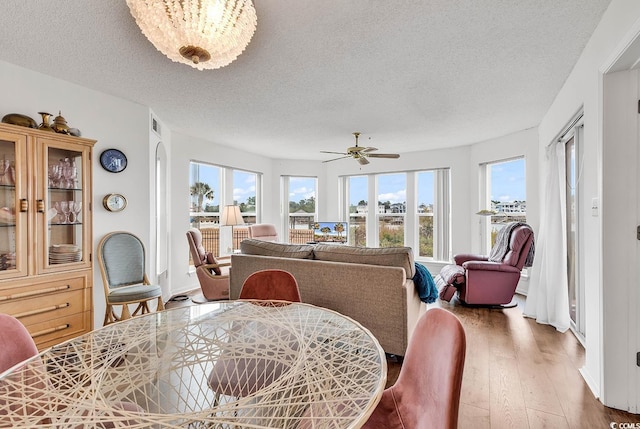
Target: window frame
{"points": [[224, 196], [285, 190], [485, 201], [442, 200]]}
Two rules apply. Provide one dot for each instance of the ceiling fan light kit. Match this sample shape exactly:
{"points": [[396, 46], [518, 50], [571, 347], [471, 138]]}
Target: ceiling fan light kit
{"points": [[361, 153], [204, 34]]}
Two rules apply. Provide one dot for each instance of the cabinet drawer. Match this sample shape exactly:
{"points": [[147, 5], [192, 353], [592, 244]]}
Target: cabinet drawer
{"points": [[46, 306], [32, 290], [54, 331]]}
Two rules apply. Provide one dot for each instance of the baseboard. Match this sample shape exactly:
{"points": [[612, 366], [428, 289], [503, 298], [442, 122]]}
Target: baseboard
{"points": [[593, 386]]}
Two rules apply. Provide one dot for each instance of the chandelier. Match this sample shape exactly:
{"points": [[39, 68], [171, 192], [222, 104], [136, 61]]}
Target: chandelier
{"points": [[205, 34]]}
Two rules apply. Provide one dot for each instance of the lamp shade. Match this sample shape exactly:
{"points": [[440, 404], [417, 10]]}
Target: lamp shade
{"points": [[231, 216], [205, 34]]}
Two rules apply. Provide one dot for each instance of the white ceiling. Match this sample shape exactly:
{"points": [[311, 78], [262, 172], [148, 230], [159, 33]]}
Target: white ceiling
{"points": [[410, 75]]}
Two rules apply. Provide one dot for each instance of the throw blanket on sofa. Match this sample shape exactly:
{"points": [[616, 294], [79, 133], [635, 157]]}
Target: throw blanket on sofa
{"points": [[501, 246], [427, 290]]}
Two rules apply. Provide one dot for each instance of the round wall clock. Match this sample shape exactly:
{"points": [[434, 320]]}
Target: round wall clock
{"points": [[114, 202], [113, 160]]}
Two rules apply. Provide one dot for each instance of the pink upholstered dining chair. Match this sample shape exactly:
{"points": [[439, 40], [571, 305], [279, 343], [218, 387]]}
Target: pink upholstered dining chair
{"points": [[239, 376], [212, 274], [427, 392], [271, 285], [16, 345], [263, 231]]}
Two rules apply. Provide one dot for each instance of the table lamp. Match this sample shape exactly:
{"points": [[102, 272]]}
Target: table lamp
{"points": [[231, 216]]}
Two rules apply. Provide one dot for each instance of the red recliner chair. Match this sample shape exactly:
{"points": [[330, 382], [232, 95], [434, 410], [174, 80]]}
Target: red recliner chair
{"points": [[492, 279]]}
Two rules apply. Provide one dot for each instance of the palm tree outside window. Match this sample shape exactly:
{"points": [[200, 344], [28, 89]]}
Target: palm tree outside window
{"points": [[200, 191]]}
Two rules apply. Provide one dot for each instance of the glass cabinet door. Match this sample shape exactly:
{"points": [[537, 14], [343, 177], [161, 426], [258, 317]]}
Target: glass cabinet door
{"points": [[13, 206], [63, 207]]}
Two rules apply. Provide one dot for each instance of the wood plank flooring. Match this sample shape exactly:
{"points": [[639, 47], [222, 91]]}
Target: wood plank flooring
{"points": [[520, 374]]}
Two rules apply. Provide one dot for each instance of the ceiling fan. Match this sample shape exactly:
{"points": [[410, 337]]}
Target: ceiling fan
{"points": [[361, 153]]}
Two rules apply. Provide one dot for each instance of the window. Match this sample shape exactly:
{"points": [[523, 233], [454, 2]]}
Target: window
{"points": [[205, 193], [412, 209], [425, 188], [357, 191], [211, 187], [505, 196], [300, 212], [244, 194], [391, 209]]}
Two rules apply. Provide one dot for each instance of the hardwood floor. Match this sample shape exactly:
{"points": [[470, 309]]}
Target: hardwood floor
{"points": [[520, 374]]}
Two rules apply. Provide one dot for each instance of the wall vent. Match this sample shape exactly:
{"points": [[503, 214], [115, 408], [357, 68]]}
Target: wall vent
{"points": [[155, 126]]}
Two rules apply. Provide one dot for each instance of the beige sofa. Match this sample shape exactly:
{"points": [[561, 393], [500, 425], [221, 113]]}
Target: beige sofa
{"points": [[372, 286]]}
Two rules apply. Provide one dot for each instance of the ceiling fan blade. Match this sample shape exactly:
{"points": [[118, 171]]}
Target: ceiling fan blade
{"points": [[339, 153], [335, 159], [360, 153], [383, 155]]}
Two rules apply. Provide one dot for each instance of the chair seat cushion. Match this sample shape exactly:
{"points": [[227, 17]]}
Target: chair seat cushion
{"points": [[453, 274], [134, 293]]}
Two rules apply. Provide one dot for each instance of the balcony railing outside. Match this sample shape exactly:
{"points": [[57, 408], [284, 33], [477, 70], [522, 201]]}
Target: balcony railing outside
{"points": [[211, 238], [300, 236]]}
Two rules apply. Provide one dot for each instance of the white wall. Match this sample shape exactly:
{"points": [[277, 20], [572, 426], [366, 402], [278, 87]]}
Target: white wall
{"points": [[584, 87], [114, 123], [619, 219]]}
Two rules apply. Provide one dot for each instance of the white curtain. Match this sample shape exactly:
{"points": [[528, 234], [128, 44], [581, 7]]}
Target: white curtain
{"points": [[548, 295]]}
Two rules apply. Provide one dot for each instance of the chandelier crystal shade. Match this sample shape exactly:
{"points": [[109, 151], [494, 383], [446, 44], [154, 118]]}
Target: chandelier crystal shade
{"points": [[205, 34]]}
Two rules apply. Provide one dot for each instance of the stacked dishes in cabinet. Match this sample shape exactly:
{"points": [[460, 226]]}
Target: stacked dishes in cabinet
{"points": [[7, 260], [64, 254]]}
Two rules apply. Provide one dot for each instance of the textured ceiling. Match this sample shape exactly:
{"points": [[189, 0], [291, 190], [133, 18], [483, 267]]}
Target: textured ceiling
{"points": [[411, 75]]}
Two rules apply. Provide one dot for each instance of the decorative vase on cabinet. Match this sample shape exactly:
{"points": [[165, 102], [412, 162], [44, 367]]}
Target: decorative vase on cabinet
{"points": [[46, 272]]}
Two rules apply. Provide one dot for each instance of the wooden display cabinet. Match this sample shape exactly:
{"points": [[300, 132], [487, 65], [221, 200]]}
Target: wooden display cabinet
{"points": [[46, 269]]}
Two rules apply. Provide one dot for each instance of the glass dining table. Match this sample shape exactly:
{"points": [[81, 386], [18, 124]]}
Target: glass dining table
{"points": [[235, 364]]}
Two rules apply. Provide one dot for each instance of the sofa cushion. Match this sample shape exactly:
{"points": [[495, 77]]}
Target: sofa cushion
{"points": [[388, 256], [267, 248]]}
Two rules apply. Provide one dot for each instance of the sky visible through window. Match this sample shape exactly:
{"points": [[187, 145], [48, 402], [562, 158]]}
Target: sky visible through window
{"points": [[210, 175], [507, 184], [302, 188], [392, 188], [244, 184], [508, 181]]}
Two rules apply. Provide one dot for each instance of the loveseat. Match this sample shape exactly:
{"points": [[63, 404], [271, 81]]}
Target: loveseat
{"points": [[371, 285]]}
